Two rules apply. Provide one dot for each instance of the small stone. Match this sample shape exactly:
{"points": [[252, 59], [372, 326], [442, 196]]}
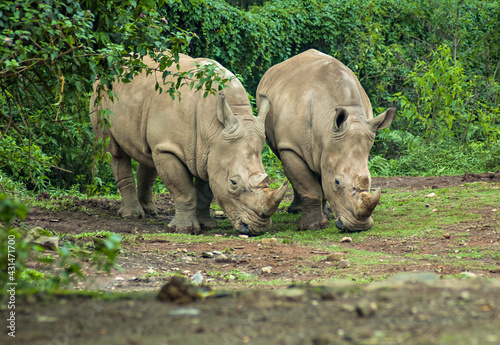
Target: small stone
{"points": [[446, 235], [465, 295], [243, 236], [207, 255], [267, 269], [221, 258], [335, 257], [150, 271], [219, 213], [346, 239], [216, 252], [270, 241], [431, 195], [51, 243], [119, 278], [494, 210], [343, 263], [468, 274], [231, 277]]}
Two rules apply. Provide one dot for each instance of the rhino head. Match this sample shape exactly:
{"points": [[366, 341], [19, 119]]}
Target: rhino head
{"points": [[345, 176], [236, 173]]}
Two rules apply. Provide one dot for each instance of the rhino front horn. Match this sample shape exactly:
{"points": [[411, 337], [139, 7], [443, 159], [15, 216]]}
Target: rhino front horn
{"points": [[274, 198], [366, 204]]}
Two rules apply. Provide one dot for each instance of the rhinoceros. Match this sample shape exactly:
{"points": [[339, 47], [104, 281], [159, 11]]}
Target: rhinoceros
{"points": [[200, 147], [321, 126]]}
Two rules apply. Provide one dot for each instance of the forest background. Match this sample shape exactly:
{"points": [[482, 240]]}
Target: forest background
{"points": [[436, 61]]}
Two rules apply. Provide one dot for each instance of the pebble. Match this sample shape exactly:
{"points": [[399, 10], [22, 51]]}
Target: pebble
{"points": [[468, 274], [431, 195], [119, 278], [243, 236], [346, 239], [207, 255], [343, 263], [447, 235], [219, 213], [150, 271], [267, 269], [221, 258], [270, 241]]}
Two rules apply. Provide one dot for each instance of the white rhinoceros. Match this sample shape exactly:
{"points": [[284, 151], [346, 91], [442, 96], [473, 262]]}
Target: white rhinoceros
{"points": [[322, 128], [200, 147]]}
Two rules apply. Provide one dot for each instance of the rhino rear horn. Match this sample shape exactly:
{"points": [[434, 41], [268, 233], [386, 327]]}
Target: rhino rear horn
{"points": [[224, 113]]}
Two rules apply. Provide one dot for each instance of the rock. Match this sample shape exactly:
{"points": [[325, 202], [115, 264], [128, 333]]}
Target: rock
{"points": [[51, 243], [197, 278], [446, 235], [207, 255], [346, 239], [216, 252], [267, 269], [366, 308], [219, 213], [243, 236], [119, 279], [343, 263], [150, 271], [335, 257], [270, 241], [221, 258], [431, 195]]}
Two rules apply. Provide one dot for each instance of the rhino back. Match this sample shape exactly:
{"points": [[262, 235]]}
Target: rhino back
{"points": [[304, 92], [145, 121]]}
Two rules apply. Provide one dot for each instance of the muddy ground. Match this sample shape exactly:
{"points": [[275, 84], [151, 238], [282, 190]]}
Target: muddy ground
{"points": [[292, 303]]}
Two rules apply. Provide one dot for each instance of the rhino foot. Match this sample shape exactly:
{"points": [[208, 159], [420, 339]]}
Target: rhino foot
{"points": [[131, 212], [310, 224], [150, 209], [184, 227], [208, 223]]}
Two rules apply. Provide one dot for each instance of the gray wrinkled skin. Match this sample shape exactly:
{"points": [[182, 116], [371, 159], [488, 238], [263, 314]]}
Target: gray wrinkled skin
{"points": [[214, 141], [321, 126]]}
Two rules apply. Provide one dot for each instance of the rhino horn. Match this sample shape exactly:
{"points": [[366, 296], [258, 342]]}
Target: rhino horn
{"points": [[264, 107], [259, 181], [225, 114], [274, 198], [366, 204]]}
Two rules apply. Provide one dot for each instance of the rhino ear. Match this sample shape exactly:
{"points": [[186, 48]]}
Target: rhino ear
{"points": [[264, 107], [340, 117], [383, 120], [224, 112]]}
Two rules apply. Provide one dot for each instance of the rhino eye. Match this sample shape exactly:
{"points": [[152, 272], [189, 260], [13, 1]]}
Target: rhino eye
{"points": [[337, 182], [233, 182]]}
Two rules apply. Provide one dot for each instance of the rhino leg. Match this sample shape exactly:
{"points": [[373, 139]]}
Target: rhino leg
{"points": [[122, 170], [307, 187], [179, 182], [296, 205], [204, 197], [146, 178]]}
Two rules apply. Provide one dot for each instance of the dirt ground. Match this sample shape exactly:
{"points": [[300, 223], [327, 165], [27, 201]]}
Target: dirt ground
{"points": [[413, 306]]}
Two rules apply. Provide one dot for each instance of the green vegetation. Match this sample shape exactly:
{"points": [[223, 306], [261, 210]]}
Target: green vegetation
{"points": [[436, 61]]}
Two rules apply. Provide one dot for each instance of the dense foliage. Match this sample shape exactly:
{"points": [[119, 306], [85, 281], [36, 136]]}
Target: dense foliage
{"points": [[51, 52], [437, 61]]}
